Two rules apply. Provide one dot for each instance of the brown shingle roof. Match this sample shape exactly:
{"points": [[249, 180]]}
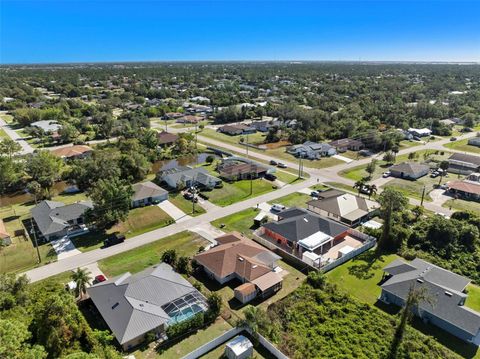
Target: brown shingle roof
{"points": [[465, 186], [71, 151], [166, 138]]}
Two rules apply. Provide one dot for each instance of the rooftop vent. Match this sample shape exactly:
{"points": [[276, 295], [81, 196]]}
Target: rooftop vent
{"points": [[305, 219], [419, 280], [240, 259], [254, 266], [448, 294], [115, 305]]}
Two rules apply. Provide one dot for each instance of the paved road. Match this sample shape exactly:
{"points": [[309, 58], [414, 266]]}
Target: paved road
{"points": [[87, 258], [316, 175], [26, 148]]}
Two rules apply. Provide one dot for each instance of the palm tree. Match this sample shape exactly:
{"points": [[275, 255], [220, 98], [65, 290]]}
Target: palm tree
{"points": [[359, 185], [415, 296], [255, 319], [82, 279]]}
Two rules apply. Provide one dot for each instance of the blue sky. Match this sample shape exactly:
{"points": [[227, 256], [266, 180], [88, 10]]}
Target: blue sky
{"points": [[85, 31]]}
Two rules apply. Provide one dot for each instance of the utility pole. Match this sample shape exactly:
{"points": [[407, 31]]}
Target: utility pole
{"points": [[246, 145], [35, 239], [166, 125], [423, 196], [194, 192], [251, 179], [300, 167]]}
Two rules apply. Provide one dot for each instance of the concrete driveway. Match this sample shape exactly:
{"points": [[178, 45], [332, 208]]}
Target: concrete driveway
{"points": [[64, 248], [173, 211]]}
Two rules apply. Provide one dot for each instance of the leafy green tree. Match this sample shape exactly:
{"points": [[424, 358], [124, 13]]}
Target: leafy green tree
{"points": [[183, 265], [371, 167], [11, 173], [444, 166], [45, 168], [13, 291], [392, 202], [9, 147], [111, 202], [214, 301], [68, 133], [359, 185], [14, 341], [389, 157], [170, 257], [82, 279], [35, 189]]}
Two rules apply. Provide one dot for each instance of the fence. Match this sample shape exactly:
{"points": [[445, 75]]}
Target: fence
{"points": [[348, 256], [204, 349]]}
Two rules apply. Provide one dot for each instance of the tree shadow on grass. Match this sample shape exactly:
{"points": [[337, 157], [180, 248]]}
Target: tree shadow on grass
{"points": [[364, 267]]}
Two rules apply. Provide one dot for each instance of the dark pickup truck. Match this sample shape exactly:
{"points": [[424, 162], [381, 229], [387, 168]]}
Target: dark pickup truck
{"points": [[113, 239]]}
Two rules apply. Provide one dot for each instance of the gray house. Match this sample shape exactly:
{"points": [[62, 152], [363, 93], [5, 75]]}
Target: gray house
{"points": [[55, 220], [475, 141], [149, 301], [409, 170], [186, 176], [446, 291], [312, 150], [146, 193], [463, 163]]}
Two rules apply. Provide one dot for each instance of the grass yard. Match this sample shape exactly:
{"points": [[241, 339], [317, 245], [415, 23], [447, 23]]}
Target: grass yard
{"points": [[359, 172], [295, 199], [241, 221], [185, 205], [3, 134], [341, 186], [408, 144], [413, 189], [238, 191], [140, 220], [473, 299], [361, 275], [254, 138], [462, 205], [7, 118], [135, 260], [462, 146]]}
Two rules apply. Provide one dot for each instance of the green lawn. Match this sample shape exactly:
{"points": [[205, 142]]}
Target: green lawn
{"points": [[3, 134], [361, 275], [341, 186], [238, 191], [295, 199], [463, 146], [462, 205], [414, 189], [473, 299], [185, 205], [7, 118], [358, 172], [241, 221], [135, 260], [408, 144], [140, 220], [254, 138]]}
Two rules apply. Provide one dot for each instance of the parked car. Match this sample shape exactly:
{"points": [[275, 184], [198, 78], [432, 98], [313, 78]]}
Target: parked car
{"points": [[315, 194], [281, 165], [99, 278], [114, 239], [273, 163], [189, 196], [453, 138], [278, 207], [434, 174], [270, 177], [386, 174]]}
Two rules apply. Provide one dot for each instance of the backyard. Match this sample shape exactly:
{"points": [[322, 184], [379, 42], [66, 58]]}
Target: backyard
{"points": [[462, 205], [185, 243], [414, 189]]}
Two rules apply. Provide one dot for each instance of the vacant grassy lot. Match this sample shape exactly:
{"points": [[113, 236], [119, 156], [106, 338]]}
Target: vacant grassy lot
{"points": [[473, 299], [462, 205], [238, 191], [140, 220], [414, 189], [135, 260], [341, 186], [3, 134], [295, 199], [359, 172], [462, 146], [361, 276], [254, 138], [241, 221]]}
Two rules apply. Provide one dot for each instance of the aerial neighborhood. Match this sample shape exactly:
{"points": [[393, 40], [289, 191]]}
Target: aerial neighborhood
{"points": [[263, 210]]}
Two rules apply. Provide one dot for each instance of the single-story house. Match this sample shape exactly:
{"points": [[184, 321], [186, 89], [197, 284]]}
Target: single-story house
{"points": [[47, 126], [445, 290], [146, 193], [237, 257], [149, 301], [5, 238], [188, 177], [420, 132], [189, 119], [303, 230], [469, 188], [73, 152], [464, 164], [409, 170], [343, 207], [262, 126], [170, 115], [236, 168], [474, 141], [55, 220], [235, 130], [312, 150], [345, 144], [166, 138]]}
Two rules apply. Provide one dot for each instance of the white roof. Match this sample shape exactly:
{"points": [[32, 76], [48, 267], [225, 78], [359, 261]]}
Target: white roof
{"points": [[372, 224], [425, 131], [346, 249], [240, 345], [315, 240], [311, 255]]}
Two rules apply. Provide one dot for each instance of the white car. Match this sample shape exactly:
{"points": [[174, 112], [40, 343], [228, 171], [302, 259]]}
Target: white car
{"points": [[278, 207], [386, 174]]}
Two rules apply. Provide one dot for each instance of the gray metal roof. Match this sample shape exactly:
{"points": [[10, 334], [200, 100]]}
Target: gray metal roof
{"points": [[132, 305], [198, 174], [443, 288], [52, 217], [297, 223], [411, 168]]}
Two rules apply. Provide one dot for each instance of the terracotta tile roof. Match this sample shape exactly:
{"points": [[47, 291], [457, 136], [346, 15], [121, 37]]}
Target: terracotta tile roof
{"points": [[3, 230], [71, 151], [166, 137], [246, 289], [465, 186], [223, 259]]}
